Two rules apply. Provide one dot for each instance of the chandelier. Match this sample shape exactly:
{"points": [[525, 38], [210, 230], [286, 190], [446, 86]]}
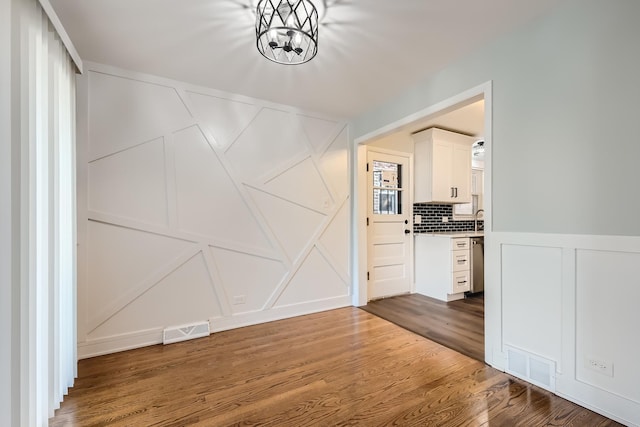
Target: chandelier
{"points": [[287, 30]]}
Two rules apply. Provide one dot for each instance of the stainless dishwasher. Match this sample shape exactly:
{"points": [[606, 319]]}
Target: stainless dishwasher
{"points": [[477, 264]]}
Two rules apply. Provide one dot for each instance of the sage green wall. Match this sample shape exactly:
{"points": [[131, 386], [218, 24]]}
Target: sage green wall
{"points": [[566, 111]]}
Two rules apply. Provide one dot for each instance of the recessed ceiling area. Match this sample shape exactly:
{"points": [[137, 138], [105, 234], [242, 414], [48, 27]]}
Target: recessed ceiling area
{"points": [[368, 50], [467, 118]]}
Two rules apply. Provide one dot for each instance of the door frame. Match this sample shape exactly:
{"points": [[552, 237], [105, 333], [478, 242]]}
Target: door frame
{"points": [[493, 315], [409, 190]]}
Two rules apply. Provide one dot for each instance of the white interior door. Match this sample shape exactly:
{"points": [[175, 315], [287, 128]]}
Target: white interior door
{"points": [[389, 227]]}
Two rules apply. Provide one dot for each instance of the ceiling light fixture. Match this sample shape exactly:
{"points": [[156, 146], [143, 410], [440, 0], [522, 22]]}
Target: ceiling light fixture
{"points": [[478, 148], [287, 30]]}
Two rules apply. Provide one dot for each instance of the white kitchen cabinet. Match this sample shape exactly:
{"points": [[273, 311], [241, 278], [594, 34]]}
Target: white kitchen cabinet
{"points": [[465, 211], [442, 266], [442, 166]]}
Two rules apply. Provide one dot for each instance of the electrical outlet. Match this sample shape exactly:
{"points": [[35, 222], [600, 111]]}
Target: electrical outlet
{"points": [[445, 219], [239, 299], [417, 219], [602, 366]]}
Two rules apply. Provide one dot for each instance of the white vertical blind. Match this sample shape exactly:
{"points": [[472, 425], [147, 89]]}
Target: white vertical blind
{"points": [[7, 258], [48, 327]]}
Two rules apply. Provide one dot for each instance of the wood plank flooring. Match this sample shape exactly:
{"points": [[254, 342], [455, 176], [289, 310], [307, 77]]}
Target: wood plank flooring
{"points": [[458, 325], [343, 367]]}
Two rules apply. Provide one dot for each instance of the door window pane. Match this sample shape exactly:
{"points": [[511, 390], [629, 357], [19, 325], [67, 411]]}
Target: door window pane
{"points": [[387, 193]]}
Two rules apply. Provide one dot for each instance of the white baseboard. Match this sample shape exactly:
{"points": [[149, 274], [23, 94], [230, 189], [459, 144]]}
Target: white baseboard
{"points": [[138, 339], [619, 409], [116, 343]]}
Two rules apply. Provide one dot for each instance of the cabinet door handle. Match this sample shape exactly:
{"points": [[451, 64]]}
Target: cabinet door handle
{"points": [[460, 283], [456, 192], [452, 192]]}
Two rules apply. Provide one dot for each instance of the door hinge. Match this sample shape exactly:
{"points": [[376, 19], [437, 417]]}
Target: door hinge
{"points": [[367, 167], [367, 275], [367, 221]]}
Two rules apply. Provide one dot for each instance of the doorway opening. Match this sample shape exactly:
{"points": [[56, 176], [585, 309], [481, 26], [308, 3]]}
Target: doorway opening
{"points": [[396, 137], [389, 240]]}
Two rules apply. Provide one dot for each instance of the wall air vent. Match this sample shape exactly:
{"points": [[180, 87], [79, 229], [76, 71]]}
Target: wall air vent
{"points": [[185, 332], [532, 368]]}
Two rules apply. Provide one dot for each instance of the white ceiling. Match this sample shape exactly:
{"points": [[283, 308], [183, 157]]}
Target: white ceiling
{"points": [[369, 50], [467, 119]]}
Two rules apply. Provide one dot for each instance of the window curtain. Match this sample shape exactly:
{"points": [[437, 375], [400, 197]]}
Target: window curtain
{"points": [[48, 220]]}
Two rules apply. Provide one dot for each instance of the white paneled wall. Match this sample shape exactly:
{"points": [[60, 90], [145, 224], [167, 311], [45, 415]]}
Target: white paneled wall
{"points": [[202, 205], [572, 300], [532, 278], [607, 320]]}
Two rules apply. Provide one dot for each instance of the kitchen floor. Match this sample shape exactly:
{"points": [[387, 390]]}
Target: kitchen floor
{"points": [[458, 325]]}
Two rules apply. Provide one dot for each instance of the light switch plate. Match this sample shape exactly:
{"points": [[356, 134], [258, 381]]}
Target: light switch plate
{"points": [[417, 219], [445, 219]]}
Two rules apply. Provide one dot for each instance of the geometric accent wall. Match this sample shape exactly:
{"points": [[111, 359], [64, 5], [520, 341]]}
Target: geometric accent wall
{"points": [[202, 205]]}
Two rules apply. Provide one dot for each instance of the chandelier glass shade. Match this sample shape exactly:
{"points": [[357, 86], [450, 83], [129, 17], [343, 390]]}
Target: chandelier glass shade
{"points": [[287, 30]]}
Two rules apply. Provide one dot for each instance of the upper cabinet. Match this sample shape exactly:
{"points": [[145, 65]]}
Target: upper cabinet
{"points": [[465, 211], [442, 162]]}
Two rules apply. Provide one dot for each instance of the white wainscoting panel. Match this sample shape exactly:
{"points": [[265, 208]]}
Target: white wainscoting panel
{"points": [[140, 169], [330, 164], [127, 112], [302, 184], [257, 280], [204, 206], [531, 299], [224, 118], [608, 319], [332, 240], [269, 143], [571, 300], [207, 202], [189, 282], [316, 280], [293, 225], [120, 262], [320, 132]]}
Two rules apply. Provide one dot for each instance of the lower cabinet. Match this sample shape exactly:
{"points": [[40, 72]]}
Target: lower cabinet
{"points": [[461, 282], [442, 266]]}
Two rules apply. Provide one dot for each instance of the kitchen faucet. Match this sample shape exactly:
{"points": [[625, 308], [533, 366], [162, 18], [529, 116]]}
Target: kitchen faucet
{"points": [[475, 219]]}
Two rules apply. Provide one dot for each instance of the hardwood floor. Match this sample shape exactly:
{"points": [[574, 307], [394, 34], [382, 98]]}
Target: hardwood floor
{"points": [[458, 325], [343, 367]]}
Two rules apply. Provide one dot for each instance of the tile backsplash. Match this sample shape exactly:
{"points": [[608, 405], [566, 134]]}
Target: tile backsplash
{"points": [[431, 221]]}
